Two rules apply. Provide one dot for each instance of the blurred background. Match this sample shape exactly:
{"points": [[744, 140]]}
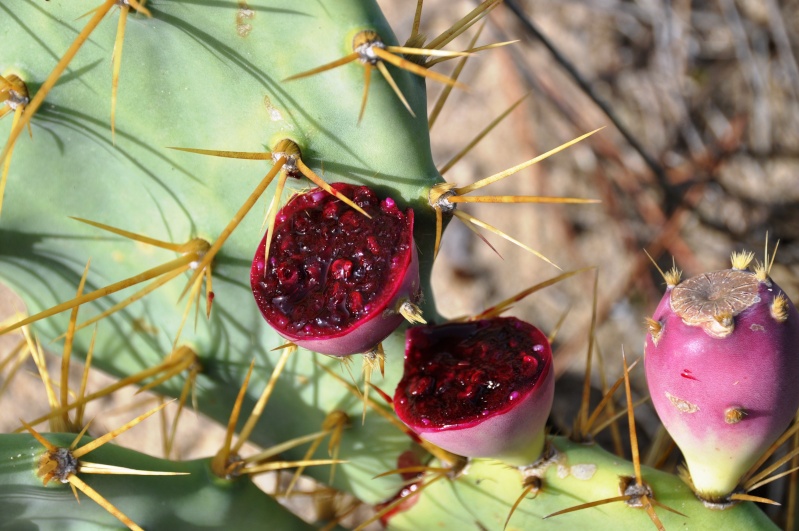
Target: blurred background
{"points": [[699, 157]]}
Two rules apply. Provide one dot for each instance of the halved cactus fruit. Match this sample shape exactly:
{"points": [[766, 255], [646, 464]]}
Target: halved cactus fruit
{"points": [[479, 389], [334, 281]]}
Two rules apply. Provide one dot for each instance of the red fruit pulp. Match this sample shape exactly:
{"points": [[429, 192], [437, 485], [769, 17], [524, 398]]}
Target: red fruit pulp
{"points": [[331, 268], [460, 373]]}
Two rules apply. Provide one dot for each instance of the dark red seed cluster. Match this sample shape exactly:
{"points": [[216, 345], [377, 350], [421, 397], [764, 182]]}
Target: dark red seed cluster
{"points": [[329, 265], [461, 372]]}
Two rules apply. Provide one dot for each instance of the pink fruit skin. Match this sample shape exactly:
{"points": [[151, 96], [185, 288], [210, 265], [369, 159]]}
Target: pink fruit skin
{"points": [[695, 378], [365, 334], [514, 434]]}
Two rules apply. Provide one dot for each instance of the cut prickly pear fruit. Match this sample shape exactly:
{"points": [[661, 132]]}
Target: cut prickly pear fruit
{"points": [[336, 279], [479, 389], [722, 362]]}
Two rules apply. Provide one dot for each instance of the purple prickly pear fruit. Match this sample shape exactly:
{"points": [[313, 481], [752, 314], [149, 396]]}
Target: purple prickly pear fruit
{"points": [[336, 279], [722, 364], [479, 389]]}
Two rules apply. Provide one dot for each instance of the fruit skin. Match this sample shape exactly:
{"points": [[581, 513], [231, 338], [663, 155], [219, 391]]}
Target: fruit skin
{"points": [[724, 400], [514, 433], [365, 334]]}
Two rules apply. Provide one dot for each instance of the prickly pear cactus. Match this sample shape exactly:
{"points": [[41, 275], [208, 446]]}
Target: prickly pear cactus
{"points": [[157, 173]]}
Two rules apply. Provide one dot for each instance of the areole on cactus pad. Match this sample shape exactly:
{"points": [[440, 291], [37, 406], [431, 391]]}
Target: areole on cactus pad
{"points": [[722, 362], [479, 389], [335, 279]]}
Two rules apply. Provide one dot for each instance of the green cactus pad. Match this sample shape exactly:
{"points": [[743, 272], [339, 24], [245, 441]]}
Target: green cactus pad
{"points": [[484, 494], [193, 501]]}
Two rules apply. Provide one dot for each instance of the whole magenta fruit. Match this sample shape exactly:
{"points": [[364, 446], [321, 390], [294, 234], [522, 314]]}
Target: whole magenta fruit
{"points": [[722, 362]]}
